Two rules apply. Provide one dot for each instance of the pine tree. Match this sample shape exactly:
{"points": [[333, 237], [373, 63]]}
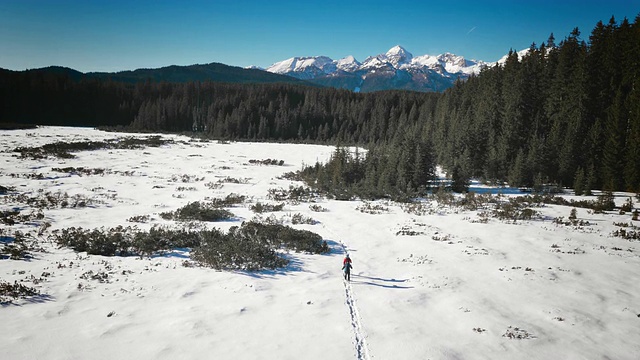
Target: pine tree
{"points": [[632, 161], [578, 183], [565, 106], [459, 180], [517, 173], [613, 152], [591, 180]]}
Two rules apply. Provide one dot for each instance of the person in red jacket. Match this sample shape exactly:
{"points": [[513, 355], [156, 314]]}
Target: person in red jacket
{"points": [[346, 267]]}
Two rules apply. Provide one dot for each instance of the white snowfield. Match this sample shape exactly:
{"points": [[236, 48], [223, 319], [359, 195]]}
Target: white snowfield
{"points": [[435, 286]]}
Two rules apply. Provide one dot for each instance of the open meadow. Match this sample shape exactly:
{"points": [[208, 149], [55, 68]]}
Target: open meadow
{"points": [[439, 278]]}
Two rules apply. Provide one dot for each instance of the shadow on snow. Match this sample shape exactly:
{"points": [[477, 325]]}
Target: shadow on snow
{"points": [[380, 282], [35, 299], [295, 264]]}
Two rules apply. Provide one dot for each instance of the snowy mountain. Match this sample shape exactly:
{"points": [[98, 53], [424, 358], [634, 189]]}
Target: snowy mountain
{"points": [[395, 69]]}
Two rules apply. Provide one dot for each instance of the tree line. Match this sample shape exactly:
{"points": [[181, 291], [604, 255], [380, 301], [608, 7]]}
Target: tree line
{"points": [[566, 113]]}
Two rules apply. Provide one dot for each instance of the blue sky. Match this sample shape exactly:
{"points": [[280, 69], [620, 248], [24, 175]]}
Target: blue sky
{"points": [[122, 35]]}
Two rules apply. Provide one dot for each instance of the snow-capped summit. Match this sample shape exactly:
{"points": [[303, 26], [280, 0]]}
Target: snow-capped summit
{"points": [[348, 64], [304, 67], [398, 56], [428, 61], [458, 64]]}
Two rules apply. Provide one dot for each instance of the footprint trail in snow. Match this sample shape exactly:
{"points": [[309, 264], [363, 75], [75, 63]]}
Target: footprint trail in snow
{"points": [[362, 350], [360, 338]]}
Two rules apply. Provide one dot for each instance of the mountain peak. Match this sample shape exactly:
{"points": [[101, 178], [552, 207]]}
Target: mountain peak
{"points": [[398, 49], [348, 63], [398, 55]]}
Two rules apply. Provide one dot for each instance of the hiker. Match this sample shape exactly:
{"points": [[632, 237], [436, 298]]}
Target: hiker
{"points": [[346, 267]]}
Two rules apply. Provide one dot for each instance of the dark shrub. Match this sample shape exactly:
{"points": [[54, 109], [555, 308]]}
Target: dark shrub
{"points": [[15, 291], [197, 211], [234, 251], [281, 236]]}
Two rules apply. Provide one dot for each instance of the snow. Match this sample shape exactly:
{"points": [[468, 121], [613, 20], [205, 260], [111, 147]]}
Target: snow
{"points": [[426, 60], [456, 290]]}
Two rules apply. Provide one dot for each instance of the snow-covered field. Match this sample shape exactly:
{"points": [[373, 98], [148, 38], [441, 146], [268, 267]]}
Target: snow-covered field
{"points": [[436, 286]]}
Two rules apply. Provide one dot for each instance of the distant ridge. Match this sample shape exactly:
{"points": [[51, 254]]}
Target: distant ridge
{"points": [[179, 74]]}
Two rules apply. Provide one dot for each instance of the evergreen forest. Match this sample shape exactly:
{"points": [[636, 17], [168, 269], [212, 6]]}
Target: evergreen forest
{"points": [[567, 113]]}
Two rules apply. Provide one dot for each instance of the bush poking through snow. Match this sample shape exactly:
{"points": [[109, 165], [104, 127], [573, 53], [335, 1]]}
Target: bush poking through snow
{"points": [[298, 218], [573, 215], [63, 149], [185, 178], [18, 249], [317, 208], [139, 219], [106, 242], [514, 210], [80, 171], [233, 251], [627, 206], [515, 333], [293, 194], [627, 234], [186, 188], [368, 208], [267, 162], [213, 186], [230, 200], [9, 217], [293, 176], [603, 203], [282, 237], [472, 201], [572, 220], [264, 207], [197, 211], [252, 246], [269, 220], [230, 180], [418, 208], [15, 291], [445, 197], [49, 200]]}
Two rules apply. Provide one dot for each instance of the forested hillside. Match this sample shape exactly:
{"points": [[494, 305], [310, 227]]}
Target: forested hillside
{"points": [[566, 113]]}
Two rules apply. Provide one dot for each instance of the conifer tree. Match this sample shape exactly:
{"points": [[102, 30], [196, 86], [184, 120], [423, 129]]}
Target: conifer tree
{"points": [[578, 183]]}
